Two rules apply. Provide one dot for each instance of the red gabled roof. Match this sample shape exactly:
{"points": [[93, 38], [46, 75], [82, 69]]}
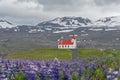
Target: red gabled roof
{"points": [[65, 42]]}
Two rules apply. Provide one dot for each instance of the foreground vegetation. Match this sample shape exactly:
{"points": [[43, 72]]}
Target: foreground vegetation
{"points": [[93, 64], [82, 69]]}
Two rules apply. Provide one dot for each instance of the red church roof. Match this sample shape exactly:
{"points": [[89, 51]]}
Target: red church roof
{"points": [[65, 42]]}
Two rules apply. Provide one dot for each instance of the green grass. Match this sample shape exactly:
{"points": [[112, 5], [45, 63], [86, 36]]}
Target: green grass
{"points": [[64, 54], [44, 54], [113, 53], [90, 53]]}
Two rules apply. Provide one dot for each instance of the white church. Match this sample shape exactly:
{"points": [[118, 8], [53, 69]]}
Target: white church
{"points": [[68, 44]]}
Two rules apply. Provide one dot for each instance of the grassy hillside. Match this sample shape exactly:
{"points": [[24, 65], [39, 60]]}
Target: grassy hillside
{"points": [[63, 54], [44, 54], [95, 53], [91, 53]]}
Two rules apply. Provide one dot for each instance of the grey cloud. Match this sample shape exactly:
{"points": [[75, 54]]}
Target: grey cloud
{"points": [[24, 0], [106, 2], [54, 2], [49, 2], [61, 5], [48, 9], [53, 5]]}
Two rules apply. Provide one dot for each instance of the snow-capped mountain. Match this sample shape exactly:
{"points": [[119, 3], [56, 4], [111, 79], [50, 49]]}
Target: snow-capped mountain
{"points": [[27, 28], [67, 22], [6, 24], [64, 24], [113, 21]]}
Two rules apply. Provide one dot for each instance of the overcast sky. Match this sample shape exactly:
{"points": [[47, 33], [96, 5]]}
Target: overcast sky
{"points": [[35, 11]]}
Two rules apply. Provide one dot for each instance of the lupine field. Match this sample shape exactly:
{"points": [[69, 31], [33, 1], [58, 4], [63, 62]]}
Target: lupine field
{"points": [[100, 68], [82, 69]]}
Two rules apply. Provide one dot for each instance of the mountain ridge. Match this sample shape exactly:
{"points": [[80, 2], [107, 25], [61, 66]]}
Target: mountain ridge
{"points": [[6, 24], [112, 21], [66, 21], [62, 24]]}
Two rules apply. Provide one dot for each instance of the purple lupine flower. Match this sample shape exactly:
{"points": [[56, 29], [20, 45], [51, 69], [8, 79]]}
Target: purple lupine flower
{"points": [[30, 75], [56, 69], [43, 71], [80, 74], [65, 77], [112, 75], [88, 77], [42, 76], [118, 75], [67, 74], [3, 77], [104, 69], [1, 59], [116, 68]]}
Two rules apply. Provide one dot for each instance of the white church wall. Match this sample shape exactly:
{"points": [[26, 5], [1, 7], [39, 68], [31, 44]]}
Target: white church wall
{"points": [[67, 46]]}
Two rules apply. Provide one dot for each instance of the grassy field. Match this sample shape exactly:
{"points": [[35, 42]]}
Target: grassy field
{"points": [[63, 54], [91, 53], [43, 54]]}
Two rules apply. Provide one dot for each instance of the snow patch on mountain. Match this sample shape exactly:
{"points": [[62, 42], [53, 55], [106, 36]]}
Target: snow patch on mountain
{"points": [[67, 22], [71, 21], [103, 29], [110, 29], [62, 31], [113, 21], [95, 29], [6, 24], [35, 30], [48, 29]]}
